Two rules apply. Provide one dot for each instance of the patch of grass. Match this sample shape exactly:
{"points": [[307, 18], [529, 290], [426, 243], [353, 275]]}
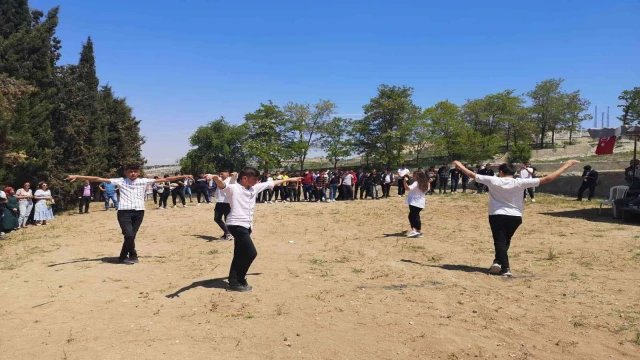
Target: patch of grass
{"points": [[637, 340], [342, 260], [577, 323], [280, 309], [213, 252], [357, 271], [249, 316], [551, 255], [316, 261], [574, 276]]}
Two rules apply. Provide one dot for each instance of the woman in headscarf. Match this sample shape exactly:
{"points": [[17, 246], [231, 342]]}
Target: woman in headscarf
{"points": [[10, 211]]}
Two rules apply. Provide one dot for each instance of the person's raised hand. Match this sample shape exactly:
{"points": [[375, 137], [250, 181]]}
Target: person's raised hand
{"points": [[458, 164], [71, 178], [570, 163]]}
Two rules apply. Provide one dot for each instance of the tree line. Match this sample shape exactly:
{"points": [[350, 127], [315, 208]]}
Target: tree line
{"points": [[393, 126], [56, 119]]}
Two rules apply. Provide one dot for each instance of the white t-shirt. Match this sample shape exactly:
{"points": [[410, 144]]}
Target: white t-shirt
{"points": [[416, 197], [220, 195], [387, 178], [505, 194], [131, 192], [347, 179], [403, 172], [23, 192], [525, 174], [243, 202], [3, 195]]}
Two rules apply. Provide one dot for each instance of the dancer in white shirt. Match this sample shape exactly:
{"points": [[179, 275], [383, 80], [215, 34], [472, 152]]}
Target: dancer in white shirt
{"points": [[506, 207]]}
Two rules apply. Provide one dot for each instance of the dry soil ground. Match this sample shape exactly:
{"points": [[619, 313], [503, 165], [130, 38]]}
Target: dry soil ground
{"points": [[331, 281]]}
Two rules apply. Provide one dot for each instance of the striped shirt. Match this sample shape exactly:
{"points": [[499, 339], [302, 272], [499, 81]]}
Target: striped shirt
{"points": [[131, 192]]}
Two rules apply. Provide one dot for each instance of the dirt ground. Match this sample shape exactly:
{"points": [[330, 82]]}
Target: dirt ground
{"points": [[331, 281]]}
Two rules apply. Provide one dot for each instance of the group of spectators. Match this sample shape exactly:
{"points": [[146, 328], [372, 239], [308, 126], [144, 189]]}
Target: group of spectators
{"points": [[21, 208]]}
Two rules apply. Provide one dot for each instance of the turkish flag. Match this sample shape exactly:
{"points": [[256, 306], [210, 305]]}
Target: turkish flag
{"points": [[605, 146]]}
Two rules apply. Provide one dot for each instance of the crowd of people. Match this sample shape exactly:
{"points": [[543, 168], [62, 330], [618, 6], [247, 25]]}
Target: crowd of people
{"points": [[237, 194]]}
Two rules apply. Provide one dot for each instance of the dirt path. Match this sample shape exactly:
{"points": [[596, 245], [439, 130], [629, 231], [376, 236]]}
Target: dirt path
{"points": [[348, 287]]}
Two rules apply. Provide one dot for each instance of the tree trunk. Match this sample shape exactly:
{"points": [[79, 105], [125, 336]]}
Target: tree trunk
{"points": [[553, 137], [508, 136]]}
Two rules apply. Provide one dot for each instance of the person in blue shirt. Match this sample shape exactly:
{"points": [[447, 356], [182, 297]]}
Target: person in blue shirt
{"points": [[109, 192]]}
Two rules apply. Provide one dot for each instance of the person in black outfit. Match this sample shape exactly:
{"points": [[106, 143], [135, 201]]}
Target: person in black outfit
{"points": [[589, 180], [432, 175], [155, 192], [443, 178], [465, 179], [387, 181], [360, 184], [375, 180], [455, 179], [202, 187], [178, 191], [487, 171]]}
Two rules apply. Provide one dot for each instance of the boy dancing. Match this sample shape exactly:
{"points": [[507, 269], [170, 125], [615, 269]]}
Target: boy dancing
{"points": [[242, 200], [131, 206]]}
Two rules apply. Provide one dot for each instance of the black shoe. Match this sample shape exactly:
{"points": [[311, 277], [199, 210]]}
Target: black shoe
{"points": [[125, 261], [240, 288]]}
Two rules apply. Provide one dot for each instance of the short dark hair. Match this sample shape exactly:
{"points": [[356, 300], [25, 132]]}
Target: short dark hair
{"points": [[166, 175], [132, 166], [224, 170], [249, 172], [507, 169], [588, 167], [176, 173]]}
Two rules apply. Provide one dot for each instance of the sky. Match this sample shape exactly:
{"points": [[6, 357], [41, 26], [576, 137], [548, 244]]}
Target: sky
{"points": [[183, 63]]}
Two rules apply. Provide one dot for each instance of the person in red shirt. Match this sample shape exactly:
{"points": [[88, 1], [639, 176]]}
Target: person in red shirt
{"points": [[307, 185]]}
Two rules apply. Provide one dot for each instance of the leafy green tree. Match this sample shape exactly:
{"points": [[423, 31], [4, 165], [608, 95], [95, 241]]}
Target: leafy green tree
{"points": [[547, 107], [266, 141], [335, 139], [447, 127], [421, 135], [384, 130], [630, 107], [303, 126], [575, 108], [217, 146]]}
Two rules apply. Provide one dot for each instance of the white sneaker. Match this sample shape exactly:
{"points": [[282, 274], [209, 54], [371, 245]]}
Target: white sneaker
{"points": [[413, 234], [198, 204], [525, 200], [533, 200], [506, 273], [495, 269], [174, 206]]}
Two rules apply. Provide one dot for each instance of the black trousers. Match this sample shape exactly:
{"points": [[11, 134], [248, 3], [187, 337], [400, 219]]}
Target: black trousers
{"points": [[222, 210], [347, 192], [358, 187], [454, 184], [401, 189], [175, 193], [164, 197], [414, 217], [155, 196], [503, 227], [84, 202], [267, 195], [202, 192], [585, 185], [465, 183], [129, 221], [530, 191], [386, 188], [244, 252], [442, 184]]}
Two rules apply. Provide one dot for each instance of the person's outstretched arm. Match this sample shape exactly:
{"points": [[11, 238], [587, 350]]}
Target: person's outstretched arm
{"points": [[278, 182], [464, 169], [554, 175], [89, 178], [173, 178]]}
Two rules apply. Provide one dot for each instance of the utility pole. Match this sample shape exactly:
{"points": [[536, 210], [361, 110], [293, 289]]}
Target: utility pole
{"points": [[595, 118], [608, 116]]}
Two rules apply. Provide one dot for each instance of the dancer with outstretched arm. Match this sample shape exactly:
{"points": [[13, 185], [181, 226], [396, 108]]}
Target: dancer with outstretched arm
{"points": [[242, 200], [131, 206], [506, 207]]}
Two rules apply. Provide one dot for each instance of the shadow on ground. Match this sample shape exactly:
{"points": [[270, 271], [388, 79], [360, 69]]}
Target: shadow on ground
{"points": [[107, 260], [217, 283], [587, 214]]}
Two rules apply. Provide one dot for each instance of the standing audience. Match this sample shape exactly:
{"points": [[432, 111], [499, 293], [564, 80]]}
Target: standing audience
{"points": [[25, 204]]}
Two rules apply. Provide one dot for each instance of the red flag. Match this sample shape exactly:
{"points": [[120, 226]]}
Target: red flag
{"points": [[605, 146]]}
